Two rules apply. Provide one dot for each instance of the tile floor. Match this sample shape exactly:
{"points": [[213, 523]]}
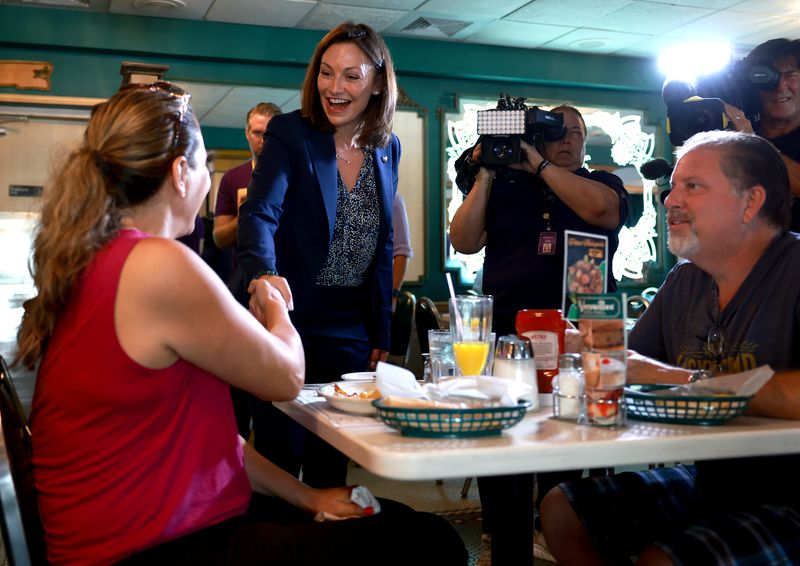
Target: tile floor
{"points": [[442, 498]]}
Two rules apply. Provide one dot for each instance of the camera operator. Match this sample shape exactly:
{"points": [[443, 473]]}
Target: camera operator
{"points": [[780, 110], [519, 213]]}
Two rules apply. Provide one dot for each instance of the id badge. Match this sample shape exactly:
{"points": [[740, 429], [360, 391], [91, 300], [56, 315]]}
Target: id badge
{"points": [[547, 243]]}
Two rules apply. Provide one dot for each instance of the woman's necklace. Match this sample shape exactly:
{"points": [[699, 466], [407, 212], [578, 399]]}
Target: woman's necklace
{"points": [[341, 157]]}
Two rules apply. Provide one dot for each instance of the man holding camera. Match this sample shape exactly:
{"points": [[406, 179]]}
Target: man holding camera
{"points": [[780, 110], [519, 213]]}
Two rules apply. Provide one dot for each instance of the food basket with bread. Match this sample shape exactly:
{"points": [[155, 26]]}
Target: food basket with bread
{"points": [[707, 402], [462, 406]]}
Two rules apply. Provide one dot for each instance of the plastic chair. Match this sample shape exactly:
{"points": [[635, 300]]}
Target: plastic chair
{"points": [[400, 333], [21, 524], [427, 317]]}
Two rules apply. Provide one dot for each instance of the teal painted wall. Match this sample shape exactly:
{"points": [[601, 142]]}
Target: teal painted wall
{"points": [[88, 48]]}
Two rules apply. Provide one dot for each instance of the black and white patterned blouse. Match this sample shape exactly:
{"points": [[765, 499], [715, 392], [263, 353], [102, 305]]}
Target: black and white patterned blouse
{"points": [[355, 230]]}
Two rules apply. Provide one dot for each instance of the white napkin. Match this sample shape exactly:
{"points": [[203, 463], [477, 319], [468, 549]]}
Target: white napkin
{"points": [[505, 392], [743, 384], [394, 381], [362, 497]]}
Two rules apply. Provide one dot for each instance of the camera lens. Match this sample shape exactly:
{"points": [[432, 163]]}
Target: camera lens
{"points": [[502, 150]]}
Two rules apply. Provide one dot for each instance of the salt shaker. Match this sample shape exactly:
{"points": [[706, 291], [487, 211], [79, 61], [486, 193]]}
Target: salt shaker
{"points": [[427, 368], [568, 387], [513, 359]]}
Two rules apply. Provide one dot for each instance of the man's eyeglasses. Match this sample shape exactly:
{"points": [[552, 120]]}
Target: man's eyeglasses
{"points": [[174, 91]]}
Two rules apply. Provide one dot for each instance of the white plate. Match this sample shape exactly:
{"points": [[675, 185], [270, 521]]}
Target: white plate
{"points": [[353, 405], [359, 376]]}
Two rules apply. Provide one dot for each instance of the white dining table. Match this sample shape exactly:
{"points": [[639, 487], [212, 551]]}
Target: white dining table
{"points": [[539, 443]]}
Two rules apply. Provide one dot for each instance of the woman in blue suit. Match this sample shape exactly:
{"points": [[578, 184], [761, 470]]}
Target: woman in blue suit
{"points": [[317, 225]]}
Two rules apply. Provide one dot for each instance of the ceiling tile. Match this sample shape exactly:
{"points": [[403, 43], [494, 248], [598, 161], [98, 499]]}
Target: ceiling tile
{"points": [[594, 41], [328, 16], [485, 10], [385, 4], [708, 4], [775, 7], [227, 106], [574, 13], [194, 10], [651, 46], [518, 34], [278, 13], [205, 97], [649, 18], [734, 27]]}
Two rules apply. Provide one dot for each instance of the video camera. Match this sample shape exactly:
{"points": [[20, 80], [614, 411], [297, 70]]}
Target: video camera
{"points": [[700, 107], [500, 130]]}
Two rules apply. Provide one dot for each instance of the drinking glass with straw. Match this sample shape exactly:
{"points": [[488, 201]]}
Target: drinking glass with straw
{"points": [[471, 326]]}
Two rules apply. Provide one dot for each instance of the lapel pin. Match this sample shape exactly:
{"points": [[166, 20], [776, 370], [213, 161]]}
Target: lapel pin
{"points": [[384, 158]]}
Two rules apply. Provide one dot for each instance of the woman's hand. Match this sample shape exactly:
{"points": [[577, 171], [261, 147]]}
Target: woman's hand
{"points": [[335, 501], [267, 302], [531, 158], [376, 356]]}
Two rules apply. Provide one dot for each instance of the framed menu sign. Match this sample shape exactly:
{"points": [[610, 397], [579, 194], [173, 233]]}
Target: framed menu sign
{"points": [[585, 266]]}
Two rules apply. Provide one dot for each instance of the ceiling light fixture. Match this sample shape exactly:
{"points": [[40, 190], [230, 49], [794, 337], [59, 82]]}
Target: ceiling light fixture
{"points": [[60, 3], [159, 5]]}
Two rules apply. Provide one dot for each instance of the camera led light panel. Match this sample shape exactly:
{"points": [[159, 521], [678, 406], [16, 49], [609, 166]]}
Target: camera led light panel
{"points": [[501, 122]]}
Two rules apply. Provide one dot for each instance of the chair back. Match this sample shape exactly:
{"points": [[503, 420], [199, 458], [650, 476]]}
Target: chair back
{"points": [[427, 318], [400, 333], [21, 524]]}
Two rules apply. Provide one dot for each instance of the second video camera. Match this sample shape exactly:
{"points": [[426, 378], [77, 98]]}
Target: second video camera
{"points": [[502, 128], [700, 107]]}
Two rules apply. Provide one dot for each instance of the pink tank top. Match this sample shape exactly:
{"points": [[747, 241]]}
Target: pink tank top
{"points": [[126, 457]]}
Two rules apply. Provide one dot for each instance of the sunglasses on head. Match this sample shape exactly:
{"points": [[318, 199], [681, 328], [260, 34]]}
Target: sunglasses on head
{"points": [[172, 90]]}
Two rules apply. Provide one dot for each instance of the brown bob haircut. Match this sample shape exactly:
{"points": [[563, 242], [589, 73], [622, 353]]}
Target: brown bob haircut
{"points": [[376, 128]]}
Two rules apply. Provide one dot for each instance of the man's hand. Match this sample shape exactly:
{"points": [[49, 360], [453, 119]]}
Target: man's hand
{"points": [[642, 369]]}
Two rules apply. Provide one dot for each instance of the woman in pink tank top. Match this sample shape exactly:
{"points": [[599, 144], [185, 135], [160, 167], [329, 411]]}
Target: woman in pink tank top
{"points": [[135, 449]]}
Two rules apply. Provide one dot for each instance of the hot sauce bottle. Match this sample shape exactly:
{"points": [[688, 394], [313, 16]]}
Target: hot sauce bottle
{"points": [[545, 329]]}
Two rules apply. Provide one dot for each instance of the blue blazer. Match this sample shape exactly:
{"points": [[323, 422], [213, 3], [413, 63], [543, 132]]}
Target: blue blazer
{"points": [[286, 223]]}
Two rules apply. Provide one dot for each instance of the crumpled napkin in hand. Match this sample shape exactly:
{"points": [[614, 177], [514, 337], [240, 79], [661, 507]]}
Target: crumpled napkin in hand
{"points": [[362, 497]]}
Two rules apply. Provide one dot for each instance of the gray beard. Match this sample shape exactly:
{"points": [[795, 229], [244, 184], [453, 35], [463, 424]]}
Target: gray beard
{"points": [[684, 246]]}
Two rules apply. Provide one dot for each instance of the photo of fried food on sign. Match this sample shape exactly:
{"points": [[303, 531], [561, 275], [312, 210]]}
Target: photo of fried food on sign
{"points": [[585, 265]]}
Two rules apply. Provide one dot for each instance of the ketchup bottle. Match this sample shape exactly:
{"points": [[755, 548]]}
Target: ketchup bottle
{"points": [[545, 329]]}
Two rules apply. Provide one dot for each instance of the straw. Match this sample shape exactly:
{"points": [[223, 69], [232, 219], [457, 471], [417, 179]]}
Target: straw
{"points": [[457, 314], [450, 285]]}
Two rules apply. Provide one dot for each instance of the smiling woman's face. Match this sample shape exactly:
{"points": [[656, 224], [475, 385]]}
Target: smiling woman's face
{"points": [[346, 82]]}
